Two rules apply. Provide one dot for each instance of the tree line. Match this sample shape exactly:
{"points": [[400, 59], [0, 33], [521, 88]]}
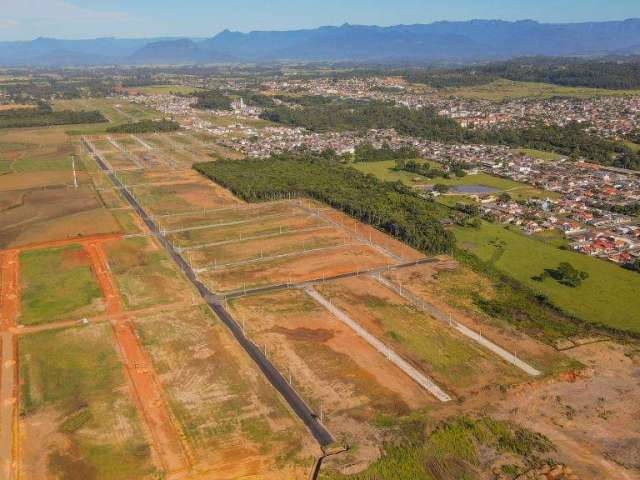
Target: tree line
{"points": [[389, 207]]}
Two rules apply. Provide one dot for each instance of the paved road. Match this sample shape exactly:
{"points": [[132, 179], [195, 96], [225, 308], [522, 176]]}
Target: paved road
{"points": [[300, 408]]}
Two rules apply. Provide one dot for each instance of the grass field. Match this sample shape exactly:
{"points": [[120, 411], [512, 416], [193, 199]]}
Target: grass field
{"points": [[77, 420], [144, 274], [57, 284], [232, 419], [501, 90], [608, 297], [385, 171]]}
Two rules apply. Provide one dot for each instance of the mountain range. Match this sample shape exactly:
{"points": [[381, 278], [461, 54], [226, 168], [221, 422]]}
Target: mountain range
{"points": [[470, 41]]}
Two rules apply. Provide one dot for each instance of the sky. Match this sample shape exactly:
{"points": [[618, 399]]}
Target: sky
{"points": [[72, 19]]}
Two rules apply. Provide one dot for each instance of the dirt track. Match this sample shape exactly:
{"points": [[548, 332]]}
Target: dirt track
{"points": [[10, 302], [147, 390], [9, 298]]}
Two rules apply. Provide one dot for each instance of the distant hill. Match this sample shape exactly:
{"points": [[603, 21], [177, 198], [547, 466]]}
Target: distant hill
{"points": [[176, 52], [476, 40]]}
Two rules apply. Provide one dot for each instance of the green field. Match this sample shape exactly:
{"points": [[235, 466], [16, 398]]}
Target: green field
{"points": [[501, 90], [608, 297], [385, 171], [72, 382], [539, 154], [57, 284]]}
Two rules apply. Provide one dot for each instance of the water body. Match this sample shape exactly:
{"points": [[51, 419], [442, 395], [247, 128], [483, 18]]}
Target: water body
{"points": [[472, 189]]}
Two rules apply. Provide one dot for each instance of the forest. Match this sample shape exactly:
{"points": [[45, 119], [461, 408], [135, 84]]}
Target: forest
{"points": [[212, 100], [390, 207]]}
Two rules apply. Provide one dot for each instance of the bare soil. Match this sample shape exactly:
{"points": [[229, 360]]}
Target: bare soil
{"points": [[305, 267], [335, 370]]}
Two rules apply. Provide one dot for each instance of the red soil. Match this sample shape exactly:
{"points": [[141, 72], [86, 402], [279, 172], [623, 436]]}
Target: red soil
{"points": [[146, 389], [9, 292]]}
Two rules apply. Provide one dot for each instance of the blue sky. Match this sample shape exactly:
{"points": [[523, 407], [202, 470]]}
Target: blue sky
{"points": [[27, 19]]}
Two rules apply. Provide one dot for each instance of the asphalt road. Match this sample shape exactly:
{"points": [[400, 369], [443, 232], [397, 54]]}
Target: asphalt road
{"points": [[300, 408]]}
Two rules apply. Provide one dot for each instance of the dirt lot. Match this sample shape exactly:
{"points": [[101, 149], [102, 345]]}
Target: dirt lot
{"points": [[455, 363], [84, 424], [331, 367], [246, 229], [593, 417], [181, 197], [234, 422], [31, 216], [223, 216], [267, 247], [310, 266]]}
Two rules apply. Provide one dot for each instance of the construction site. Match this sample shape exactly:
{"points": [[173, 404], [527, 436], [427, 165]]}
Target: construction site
{"points": [[211, 338]]}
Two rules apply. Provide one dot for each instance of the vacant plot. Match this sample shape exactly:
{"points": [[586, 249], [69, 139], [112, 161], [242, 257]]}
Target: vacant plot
{"points": [[233, 213], [57, 284], [453, 361], [145, 275], [335, 370], [162, 199], [40, 179], [233, 420], [608, 297], [28, 150], [389, 245], [267, 247], [77, 419], [32, 216], [274, 226], [303, 267]]}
